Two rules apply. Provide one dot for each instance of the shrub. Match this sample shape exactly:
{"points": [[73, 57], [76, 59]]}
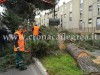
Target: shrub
{"points": [[53, 45], [39, 48]]}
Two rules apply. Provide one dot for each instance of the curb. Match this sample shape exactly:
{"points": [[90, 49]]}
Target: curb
{"points": [[40, 66]]}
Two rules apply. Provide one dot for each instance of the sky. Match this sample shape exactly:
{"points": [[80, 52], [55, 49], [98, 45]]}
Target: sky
{"points": [[1, 9], [61, 2]]}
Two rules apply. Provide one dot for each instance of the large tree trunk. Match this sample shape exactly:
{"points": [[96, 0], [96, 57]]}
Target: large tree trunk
{"points": [[83, 59]]}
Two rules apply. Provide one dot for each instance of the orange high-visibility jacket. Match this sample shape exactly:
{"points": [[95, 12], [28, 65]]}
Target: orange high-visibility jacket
{"points": [[20, 42], [36, 31]]}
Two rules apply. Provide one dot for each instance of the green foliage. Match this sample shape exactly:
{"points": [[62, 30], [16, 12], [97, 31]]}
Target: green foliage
{"points": [[11, 20], [42, 47], [65, 31], [97, 43], [53, 45], [62, 64], [48, 30], [21, 8], [7, 61], [90, 45], [25, 8], [39, 48], [8, 48]]}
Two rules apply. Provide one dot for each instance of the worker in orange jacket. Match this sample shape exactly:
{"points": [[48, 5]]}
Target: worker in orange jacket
{"points": [[19, 48], [36, 32]]}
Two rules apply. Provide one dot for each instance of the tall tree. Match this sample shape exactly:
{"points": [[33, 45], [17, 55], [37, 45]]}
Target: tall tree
{"points": [[11, 20], [20, 10]]}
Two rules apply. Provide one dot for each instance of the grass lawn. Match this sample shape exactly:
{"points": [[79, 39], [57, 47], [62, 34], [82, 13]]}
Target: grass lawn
{"points": [[62, 64]]}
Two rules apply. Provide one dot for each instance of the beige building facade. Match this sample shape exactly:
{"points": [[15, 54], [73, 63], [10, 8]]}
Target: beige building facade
{"points": [[80, 16]]}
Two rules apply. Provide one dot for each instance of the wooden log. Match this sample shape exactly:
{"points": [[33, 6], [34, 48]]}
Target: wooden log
{"points": [[83, 59]]}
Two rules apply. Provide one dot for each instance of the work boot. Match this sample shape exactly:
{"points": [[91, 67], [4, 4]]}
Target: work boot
{"points": [[17, 66], [23, 68]]}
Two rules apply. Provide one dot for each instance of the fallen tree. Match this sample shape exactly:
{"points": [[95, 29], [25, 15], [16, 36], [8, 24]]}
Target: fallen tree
{"points": [[83, 59], [81, 56]]}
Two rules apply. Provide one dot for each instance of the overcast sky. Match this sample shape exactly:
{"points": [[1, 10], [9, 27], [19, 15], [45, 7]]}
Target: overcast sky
{"points": [[61, 2], [1, 9]]}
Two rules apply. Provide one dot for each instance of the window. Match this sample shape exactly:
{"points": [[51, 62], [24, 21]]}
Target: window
{"points": [[61, 20], [90, 21], [80, 25], [81, 1], [81, 15], [81, 6], [90, 8], [98, 23], [63, 3], [64, 15], [98, 0], [98, 9], [70, 16], [70, 6]]}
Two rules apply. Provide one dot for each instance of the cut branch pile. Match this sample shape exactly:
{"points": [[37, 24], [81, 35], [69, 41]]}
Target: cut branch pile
{"points": [[83, 59]]}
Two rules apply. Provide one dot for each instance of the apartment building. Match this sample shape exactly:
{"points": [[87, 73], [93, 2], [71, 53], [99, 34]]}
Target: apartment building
{"points": [[80, 16]]}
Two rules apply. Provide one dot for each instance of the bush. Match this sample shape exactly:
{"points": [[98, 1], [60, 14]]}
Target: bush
{"points": [[39, 48], [7, 62], [65, 31], [48, 30], [97, 43], [53, 45], [42, 47]]}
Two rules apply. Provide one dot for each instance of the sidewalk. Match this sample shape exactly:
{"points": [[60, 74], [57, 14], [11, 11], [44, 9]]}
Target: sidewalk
{"points": [[32, 70]]}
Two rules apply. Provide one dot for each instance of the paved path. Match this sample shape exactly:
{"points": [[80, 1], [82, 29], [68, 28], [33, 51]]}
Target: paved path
{"points": [[32, 70], [95, 53]]}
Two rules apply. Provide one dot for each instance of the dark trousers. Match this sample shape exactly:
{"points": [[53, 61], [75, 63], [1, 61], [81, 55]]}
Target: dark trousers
{"points": [[19, 59], [2, 49], [35, 38]]}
